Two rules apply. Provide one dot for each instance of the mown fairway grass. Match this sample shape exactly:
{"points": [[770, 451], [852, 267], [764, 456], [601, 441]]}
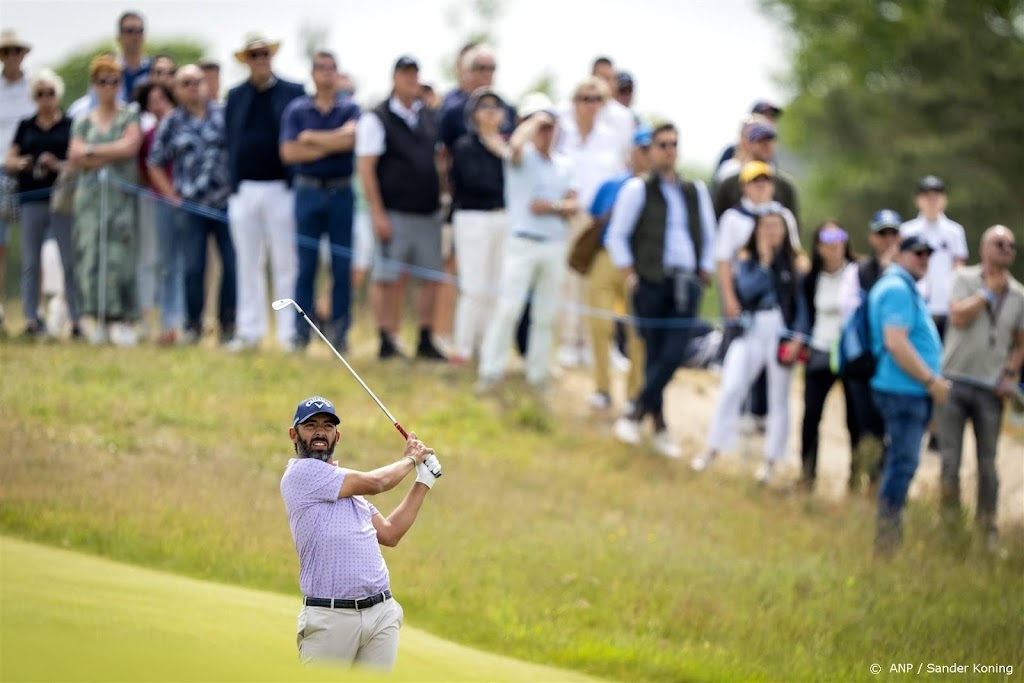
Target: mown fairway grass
{"points": [[544, 541]]}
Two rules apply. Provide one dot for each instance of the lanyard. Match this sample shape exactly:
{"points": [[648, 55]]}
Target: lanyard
{"points": [[993, 312]]}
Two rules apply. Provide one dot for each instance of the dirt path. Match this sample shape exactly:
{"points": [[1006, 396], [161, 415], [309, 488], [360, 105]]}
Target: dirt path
{"points": [[691, 400]]}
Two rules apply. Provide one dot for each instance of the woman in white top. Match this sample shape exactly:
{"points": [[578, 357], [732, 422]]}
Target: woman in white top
{"points": [[821, 290]]}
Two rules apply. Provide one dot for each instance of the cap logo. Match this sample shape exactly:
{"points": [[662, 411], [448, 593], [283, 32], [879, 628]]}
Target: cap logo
{"points": [[319, 402]]}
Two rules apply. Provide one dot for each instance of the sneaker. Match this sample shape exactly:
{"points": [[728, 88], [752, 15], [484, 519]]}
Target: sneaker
{"points": [[241, 344], [629, 407], [389, 349], [427, 351], [56, 314], [191, 338], [627, 430], [663, 443], [619, 362], [600, 400], [702, 460], [99, 335], [76, 333], [33, 330], [123, 334], [764, 471]]}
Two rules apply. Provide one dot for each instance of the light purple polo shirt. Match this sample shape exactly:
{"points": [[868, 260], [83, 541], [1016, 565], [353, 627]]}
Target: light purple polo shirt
{"points": [[339, 556]]}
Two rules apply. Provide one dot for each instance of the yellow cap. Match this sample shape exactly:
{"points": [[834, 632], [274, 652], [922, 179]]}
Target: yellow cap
{"points": [[753, 169]]}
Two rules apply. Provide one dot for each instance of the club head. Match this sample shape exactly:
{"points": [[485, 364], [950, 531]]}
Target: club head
{"points": [[283, 303]]}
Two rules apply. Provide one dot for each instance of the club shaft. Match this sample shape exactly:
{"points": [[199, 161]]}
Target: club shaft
{"points": [[354, 373]]}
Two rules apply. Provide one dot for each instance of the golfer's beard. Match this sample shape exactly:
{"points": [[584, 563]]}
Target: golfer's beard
{"points": [[304, 450]]}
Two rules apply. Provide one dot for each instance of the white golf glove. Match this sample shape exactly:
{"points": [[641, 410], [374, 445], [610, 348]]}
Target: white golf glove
{"points": [[434, 465], [428, 471]]}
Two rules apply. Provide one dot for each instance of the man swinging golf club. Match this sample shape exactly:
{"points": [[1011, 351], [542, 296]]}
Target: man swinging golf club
{"points": [[348, 614]]}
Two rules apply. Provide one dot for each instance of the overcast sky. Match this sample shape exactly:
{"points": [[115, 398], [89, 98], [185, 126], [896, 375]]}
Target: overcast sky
{"points": [[702, 63]]}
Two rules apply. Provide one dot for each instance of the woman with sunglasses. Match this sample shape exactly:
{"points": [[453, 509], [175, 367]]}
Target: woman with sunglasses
{"points": [[822, 290], [104, 144], [767, 285], [36, 156]]}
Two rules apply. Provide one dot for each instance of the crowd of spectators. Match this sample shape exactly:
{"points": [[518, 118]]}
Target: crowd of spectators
{"points": [[150, 166]]}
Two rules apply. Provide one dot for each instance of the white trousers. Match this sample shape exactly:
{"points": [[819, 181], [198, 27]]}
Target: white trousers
{"points": [[262, 218], [367, 638], [479, 238], [527, 263], [744, 360]]}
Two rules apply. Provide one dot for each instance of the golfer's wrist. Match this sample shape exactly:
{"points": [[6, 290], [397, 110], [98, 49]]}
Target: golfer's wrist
{"points": [[411, 459]]}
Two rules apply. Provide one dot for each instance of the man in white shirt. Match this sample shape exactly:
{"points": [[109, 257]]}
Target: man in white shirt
{"points": [[15, 104], [949, 244]]}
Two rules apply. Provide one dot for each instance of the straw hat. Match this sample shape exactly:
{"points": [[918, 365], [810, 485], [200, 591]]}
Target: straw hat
{"points": [[255, 40], [9, 38]]}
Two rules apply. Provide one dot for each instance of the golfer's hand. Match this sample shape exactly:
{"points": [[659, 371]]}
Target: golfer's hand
{"points": [[416, 449], [433, 465], [425, 476]]}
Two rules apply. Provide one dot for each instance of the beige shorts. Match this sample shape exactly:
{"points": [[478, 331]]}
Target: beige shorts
{"points": [[366, 637]]}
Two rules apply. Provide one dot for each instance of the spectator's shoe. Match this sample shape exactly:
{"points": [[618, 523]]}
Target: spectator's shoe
{"points": [[627, 430], [76, 333], [224, 337], [702, 460], [765, 471], [191, 337], [600, 400], [99, 335], [388, 350], [663, 443], [56, 314], [629, 408], [619, 361], [458, 361], [123, 334], [166, 338], [427, 351], [241, 345], [33, 330], [570, 356]]}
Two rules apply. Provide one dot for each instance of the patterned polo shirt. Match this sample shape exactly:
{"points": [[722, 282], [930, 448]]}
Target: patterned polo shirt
{"points": [[339, 556], [198, 153]]}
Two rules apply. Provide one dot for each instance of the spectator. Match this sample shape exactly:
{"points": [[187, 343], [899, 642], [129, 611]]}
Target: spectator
{"points": [[476, 67], [135, 66], [36, 156], [660, 237], [857, 282], [983, 357], [162, 71], [761, 137], [741, 153], [594, 153], [261, 210], [767, 286], [948, 240], [318, 136], [395, 145], [821, 289], [16, 104], [193, 140], [906, 383], [762, 110], [479, 219], [104, 144], [155, 101], [540, 200], [211, 77], [607, 289], [624, 87], [615, 114]]}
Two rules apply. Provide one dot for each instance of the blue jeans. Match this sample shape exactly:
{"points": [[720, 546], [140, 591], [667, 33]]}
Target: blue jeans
{"points": [[170, 245], [906, 418], [665, 346], [321, 211], [199, 228]]}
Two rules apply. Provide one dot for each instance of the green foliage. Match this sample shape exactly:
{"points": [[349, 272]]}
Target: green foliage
{"points": [[887, 92], [75, 67], [545, 540]]}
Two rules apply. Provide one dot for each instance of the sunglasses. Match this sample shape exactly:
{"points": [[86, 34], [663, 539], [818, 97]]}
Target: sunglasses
{"points": [[107, 81], [258, 54], [1004, 245], [164, 72], [133, 30], [490, 68], [667, 144], [922, 253], [833, 236], [45, 93], [888, 232], [189, 82], [12, 51], [589, 99]]}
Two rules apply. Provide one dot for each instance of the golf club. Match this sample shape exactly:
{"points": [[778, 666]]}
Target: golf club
{"points": [[281, 304]]}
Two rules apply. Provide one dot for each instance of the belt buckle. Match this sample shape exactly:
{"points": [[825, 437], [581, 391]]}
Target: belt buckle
{"points": [[358, 603]]}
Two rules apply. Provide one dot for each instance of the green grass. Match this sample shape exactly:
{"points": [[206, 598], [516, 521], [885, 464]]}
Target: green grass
{"points": [[545, 540], [73, 617]]}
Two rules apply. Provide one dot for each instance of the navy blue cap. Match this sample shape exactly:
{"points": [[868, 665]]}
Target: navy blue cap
{"points": [[406, 62], [624, 80], [885, 218], [930, 183], [764, 107], [761, 131], [314, 405], [915, 243]]}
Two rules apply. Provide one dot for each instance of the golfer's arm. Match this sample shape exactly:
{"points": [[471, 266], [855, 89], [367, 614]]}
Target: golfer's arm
{"points": [[376, 481], [390, 530]]}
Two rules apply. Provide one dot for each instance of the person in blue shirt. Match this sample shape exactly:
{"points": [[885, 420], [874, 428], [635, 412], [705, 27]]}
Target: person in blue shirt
{"points": [[317, 136], [907, 383]]}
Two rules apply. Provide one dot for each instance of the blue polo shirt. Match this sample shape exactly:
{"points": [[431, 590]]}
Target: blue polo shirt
{"points": [[895, 302], [604, 200], [302, 114]]}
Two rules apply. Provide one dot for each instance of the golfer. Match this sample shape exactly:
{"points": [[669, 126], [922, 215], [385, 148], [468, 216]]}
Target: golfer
{"points": [[348, 614]]}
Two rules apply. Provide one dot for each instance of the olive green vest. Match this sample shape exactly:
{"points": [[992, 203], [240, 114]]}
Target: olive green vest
{"points": [[648, 240]]}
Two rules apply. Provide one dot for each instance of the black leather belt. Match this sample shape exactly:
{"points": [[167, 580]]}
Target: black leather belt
{"points": [[323, 183], [338, 603]]}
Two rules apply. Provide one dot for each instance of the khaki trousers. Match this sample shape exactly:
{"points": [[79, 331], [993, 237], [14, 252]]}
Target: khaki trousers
{"points": [[366, 637], [606, 290]]}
